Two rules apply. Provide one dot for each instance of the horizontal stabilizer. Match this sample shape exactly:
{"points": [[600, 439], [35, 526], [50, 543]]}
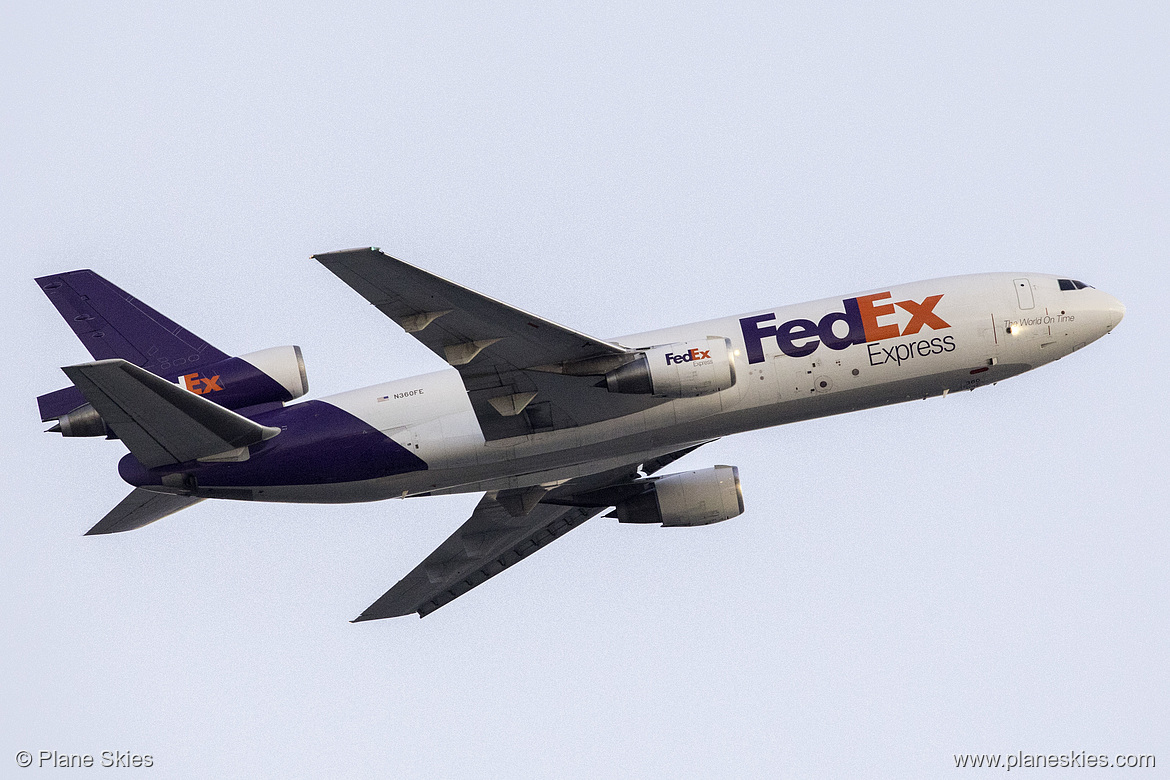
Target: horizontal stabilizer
{"points": [[140, 508], [161, 423], [59, 403]]}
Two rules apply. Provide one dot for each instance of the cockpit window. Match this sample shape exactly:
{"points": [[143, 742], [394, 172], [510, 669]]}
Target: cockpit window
{"points": [[1072, 284]]}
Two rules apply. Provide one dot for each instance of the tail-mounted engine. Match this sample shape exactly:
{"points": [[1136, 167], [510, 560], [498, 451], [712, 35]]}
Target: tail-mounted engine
{"points": [[682, 370], [688, 498], [272, 375]]}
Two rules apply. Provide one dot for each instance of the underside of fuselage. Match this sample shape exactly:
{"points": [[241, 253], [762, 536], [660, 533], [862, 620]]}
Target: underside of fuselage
{"points": [[545, 460]]}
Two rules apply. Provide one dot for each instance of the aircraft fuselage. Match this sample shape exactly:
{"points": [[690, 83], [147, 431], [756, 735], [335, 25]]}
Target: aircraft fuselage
{"points": [[420, 435]]}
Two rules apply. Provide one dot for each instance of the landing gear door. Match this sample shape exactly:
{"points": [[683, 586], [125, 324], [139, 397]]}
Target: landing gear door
{"points": [[794, 376]]}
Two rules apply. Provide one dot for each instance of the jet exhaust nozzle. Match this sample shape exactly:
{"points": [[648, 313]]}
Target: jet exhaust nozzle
{"points": [[82, 421]]}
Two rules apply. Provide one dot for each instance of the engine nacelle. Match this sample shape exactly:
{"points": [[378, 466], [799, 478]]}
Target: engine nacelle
{"points": [[82, 421], [682, 370], [270, 375], [688, 498]]}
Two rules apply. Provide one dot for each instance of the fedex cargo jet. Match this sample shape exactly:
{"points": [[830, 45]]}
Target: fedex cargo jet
{"points": [[552, 425]]}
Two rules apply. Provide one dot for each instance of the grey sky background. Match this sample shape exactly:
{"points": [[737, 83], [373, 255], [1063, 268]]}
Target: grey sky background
{"points": [[980, 573]]}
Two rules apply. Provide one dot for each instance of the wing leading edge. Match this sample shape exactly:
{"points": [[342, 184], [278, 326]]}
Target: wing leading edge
{"points": [[504, 529]]}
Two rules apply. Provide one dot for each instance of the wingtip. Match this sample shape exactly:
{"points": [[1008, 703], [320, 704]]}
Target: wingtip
{"points": [[318, 257], [97, 530], [364, 617]]}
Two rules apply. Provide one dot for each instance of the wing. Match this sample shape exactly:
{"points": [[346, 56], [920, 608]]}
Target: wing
{"points": [[504, 529], [484, 546], [524, 374]]}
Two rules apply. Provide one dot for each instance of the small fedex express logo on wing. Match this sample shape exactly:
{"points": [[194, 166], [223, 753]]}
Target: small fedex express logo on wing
{"points": [[201, 385], [862, 321], [688, 357]]}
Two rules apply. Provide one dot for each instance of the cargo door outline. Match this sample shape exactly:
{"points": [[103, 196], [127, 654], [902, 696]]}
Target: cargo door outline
{"points": [[1024, 294]]}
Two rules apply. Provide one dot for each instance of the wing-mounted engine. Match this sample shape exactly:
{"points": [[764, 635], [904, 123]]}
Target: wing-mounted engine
{"points": [[684, 369], [688, 498]]}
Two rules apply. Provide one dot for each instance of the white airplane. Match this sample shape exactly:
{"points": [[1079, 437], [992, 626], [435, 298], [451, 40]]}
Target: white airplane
{"points": [[552, 425]]}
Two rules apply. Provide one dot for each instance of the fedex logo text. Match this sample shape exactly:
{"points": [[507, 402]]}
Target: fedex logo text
{"points": [[687, 357], [861, 318], [201, 385]]}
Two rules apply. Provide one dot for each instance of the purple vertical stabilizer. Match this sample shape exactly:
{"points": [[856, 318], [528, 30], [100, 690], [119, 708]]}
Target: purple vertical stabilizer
{"points": [[111, 323], [114, 324]]}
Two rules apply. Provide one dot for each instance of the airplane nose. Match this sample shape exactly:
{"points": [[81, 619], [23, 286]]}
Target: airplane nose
{"points": [[1116, 311]]}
